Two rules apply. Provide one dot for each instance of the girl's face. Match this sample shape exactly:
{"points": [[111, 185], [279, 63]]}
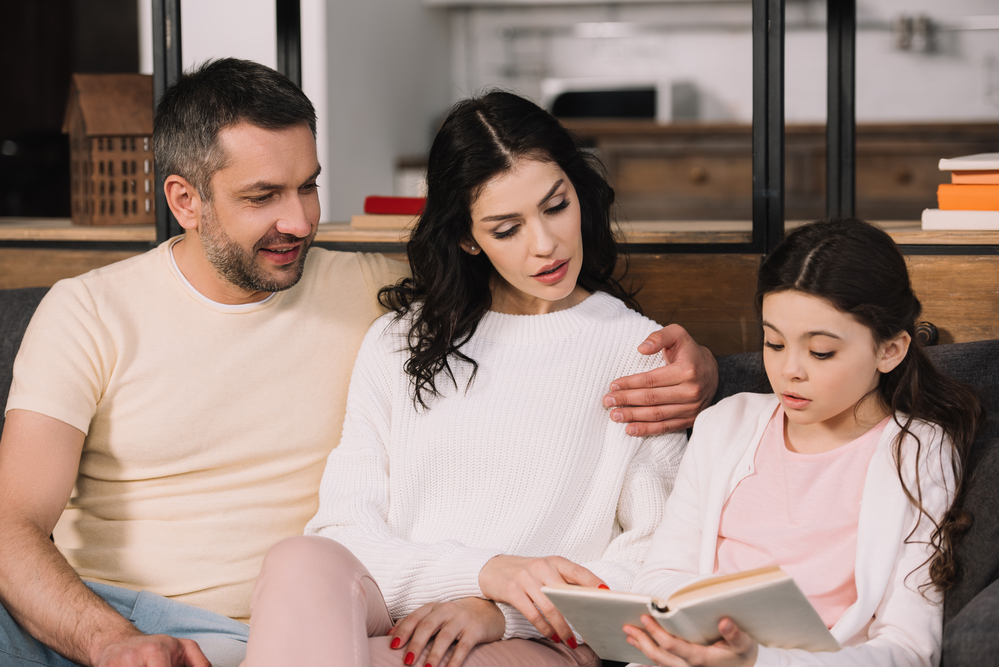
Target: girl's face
{"points": [[527, 221], [822, 363]]}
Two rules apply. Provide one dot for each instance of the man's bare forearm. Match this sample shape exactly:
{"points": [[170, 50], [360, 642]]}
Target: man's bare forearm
{"points": [[47, 598]]}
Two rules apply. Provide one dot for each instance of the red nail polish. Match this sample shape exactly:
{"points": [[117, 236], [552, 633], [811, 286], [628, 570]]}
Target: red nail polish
{"points": [[556, 638], [410, 659], [571, 641], [395, 643], [428, 665], [604, 586]]}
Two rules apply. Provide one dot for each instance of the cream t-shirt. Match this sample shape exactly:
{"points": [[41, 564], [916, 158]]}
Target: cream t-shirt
{"points": [[207, 427]]}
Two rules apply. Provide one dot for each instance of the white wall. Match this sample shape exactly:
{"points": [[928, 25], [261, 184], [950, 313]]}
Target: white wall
{"points": [[710, 44], [376, 71]]}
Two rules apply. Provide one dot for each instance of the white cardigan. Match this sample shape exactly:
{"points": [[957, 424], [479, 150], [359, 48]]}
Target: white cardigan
{"points": [[891, 623]]}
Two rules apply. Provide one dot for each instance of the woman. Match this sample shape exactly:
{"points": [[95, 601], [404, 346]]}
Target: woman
{"points": [[475, 464]]}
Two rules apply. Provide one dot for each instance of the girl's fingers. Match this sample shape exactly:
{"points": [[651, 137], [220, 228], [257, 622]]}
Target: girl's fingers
{"points": [[673, 645], [644, 643]]}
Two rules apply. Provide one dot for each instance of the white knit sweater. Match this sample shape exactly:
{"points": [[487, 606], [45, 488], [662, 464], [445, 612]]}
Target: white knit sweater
{"points": [[525, 462]]}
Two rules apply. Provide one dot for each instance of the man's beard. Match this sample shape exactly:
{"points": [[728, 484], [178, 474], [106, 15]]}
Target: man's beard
{"points": [[239, 267]]}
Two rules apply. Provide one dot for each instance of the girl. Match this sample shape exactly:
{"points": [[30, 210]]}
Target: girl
{"points": [[476, 463], [843, 476]]}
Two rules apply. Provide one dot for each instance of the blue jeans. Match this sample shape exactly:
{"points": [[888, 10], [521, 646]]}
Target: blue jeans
{"points": [[222, 639]]}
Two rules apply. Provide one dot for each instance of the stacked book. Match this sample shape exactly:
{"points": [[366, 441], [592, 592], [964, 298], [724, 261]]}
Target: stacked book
{"points": [[971, 200], [388, 212]]}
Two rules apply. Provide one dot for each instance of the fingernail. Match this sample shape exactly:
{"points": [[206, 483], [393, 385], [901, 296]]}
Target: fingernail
{"points": [[604, 586], [632, 430], [556, 638], [571, 641], [428, 665], [725, 626], [646, 345], [410, 659], [609, 402], [616, 415], [396, 643], [614, 387]]}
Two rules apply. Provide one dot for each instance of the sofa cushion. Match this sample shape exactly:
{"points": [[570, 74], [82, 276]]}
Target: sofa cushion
{"points": [[16, 308]]}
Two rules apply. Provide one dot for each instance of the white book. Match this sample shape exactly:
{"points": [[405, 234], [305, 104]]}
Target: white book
{"points": [[765, 603], [977, 162], [969, 221]]}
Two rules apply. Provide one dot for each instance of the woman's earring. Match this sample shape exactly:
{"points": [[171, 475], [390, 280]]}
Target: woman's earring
{"points": [[472, 248]]}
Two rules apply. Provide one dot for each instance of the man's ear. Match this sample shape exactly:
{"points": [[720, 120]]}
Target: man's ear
{"points": [[184, 201], [894, 352]]}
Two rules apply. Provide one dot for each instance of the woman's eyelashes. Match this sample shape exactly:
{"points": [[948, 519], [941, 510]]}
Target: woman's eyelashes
{"points": [[506, 232], [557, 208], [776, 347]]}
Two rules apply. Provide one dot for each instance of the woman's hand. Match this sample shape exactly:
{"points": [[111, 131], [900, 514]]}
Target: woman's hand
{"points": [[517, 581], [734, 649], [468, 621], [670, 397]]}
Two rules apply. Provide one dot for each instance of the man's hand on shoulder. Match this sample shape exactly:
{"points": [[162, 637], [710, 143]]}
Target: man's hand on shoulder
{"points": [[670, 397], [152, 651]]}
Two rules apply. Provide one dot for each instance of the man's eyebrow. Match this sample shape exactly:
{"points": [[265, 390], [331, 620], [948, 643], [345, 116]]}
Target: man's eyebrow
{"points": [[264, 186], [507, 216]]}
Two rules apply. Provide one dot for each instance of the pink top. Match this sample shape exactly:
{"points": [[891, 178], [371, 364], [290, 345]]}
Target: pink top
{"points": [[800, 511]]}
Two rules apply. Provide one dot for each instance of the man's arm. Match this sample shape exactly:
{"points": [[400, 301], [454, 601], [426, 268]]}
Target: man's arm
{"points": [[670, 397], [39, 458]]}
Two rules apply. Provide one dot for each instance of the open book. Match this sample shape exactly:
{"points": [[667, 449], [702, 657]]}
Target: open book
{"points": [[765, 603]]}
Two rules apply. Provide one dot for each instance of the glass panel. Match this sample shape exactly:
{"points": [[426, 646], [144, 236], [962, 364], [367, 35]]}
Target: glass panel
{"points": [[927, 88], [661, 92]]}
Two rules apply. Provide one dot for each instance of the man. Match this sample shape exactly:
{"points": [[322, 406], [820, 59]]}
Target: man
{"points": [[192, 395]]}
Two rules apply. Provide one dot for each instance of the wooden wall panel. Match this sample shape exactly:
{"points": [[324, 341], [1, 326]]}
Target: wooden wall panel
{"points": [[711, 296], [959, 293], [42, 267]]}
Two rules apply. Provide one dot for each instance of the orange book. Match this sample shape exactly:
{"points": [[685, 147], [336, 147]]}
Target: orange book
{"points": [[981, 177], [953, 197]]}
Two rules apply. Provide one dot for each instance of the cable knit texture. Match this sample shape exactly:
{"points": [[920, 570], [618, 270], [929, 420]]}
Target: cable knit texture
{"points": [[525, 461]]}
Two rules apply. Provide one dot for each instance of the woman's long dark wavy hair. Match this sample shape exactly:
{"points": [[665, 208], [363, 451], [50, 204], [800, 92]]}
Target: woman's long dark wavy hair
{"points": [[481, 138], [857, 268]]}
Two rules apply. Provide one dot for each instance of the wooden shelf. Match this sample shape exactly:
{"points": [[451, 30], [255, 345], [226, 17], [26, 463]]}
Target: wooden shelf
{"points": [[904, 232]]}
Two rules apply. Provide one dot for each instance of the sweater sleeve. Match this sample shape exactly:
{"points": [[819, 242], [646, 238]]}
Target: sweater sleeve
{"points": [[354, 496], [647, 484], [674, 552]]}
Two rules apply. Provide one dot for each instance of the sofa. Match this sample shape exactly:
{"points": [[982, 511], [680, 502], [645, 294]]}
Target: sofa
{"points": [[971, 609]]}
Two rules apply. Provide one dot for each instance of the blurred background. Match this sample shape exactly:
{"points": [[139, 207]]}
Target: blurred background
{"points": [[662, 91]]}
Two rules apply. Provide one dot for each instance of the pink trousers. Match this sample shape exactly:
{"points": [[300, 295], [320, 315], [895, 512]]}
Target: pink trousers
{"points": [[316, 605]]}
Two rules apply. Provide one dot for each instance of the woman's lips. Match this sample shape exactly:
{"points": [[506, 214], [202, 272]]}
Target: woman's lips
{"points": [[556, 275]]}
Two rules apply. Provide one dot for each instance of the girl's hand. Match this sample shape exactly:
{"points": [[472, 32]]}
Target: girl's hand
{"points": [[734, 649], [468, 621], [517, 581]]}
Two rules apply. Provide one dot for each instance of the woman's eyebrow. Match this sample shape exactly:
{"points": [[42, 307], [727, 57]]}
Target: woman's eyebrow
{"points": [[507, 216], [548, 196]]}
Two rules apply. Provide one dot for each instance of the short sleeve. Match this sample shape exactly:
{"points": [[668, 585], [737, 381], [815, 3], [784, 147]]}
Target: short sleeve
{"points": [[65, 359]]}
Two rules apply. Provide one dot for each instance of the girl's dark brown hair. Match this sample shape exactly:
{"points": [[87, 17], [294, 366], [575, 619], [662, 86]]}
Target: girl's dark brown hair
{"points": [[481, 138], [857, 268]]}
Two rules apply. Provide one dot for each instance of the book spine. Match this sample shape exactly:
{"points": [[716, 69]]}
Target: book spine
{"points": [[953, 197]]}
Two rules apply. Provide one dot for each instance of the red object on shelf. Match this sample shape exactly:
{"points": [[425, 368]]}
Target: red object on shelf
{"points": [[393, 205]]}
